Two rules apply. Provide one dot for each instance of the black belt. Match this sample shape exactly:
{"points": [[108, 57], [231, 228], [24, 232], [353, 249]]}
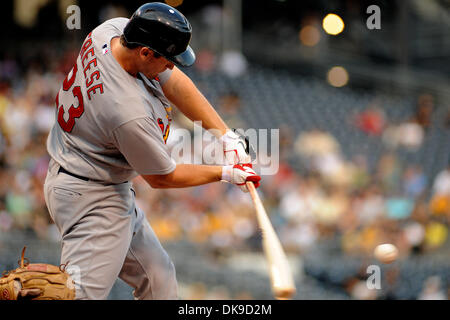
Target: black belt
{"points": [[61, 169]]}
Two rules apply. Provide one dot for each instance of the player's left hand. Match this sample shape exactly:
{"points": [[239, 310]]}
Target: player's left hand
{"points": [[240, 174], [236, 148]]}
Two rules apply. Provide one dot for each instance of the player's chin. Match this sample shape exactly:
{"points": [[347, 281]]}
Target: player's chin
{"points": [[155, 72], [151, 75]]}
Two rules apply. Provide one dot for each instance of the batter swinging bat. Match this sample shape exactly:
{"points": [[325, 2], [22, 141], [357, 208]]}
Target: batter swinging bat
{"points": [[282, 282]]}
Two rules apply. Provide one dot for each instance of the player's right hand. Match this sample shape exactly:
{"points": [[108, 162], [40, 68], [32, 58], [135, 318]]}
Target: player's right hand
{"points": [[239, 174], [236, 148]]}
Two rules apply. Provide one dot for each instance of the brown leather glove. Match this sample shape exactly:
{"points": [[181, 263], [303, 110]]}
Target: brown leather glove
{"points": [[36, 281]]}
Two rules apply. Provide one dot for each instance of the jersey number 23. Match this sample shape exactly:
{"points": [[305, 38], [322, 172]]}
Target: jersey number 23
{"points": [[74, 112]]}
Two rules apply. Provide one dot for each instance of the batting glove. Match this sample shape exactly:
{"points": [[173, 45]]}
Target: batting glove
{"points": [[236, 148], [239, 175]]}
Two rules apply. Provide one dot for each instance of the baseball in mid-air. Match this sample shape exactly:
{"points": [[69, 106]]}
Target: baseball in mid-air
{"points": [[386, 253]]}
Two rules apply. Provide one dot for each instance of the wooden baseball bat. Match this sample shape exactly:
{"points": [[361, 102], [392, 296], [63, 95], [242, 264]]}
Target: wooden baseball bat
{"points": [[281, 278]]}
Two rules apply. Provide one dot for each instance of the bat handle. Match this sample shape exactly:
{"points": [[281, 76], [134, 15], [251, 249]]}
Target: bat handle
{"points": [[251, 188]]}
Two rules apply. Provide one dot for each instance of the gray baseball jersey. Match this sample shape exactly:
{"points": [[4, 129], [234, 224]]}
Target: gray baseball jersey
{"points": [[110, 126]]}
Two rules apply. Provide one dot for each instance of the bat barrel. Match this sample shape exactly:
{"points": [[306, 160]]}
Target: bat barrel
{"points": [[282, 282]]}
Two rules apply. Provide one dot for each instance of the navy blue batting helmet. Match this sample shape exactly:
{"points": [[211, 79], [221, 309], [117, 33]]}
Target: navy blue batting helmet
{"points": [[163, 29]]}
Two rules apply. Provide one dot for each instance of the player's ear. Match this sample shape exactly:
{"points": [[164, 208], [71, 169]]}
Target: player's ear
{"points": [[144, 52]]}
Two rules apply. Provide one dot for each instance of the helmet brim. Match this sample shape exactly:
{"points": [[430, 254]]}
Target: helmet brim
{"points": [[184, 59]]}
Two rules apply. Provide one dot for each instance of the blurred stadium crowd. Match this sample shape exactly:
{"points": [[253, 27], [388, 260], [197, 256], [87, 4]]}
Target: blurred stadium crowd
{"points": [[356, 168]]}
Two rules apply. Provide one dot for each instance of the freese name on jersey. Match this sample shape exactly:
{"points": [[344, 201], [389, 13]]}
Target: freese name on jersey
{"points": [[88, 62]]}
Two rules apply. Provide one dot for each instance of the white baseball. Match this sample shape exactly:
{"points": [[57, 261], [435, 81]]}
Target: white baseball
{"points": [[386, 253]]}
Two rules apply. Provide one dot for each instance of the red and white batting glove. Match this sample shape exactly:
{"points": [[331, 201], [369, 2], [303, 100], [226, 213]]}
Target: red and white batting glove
{"points": [[235, 148], [239, 175]]}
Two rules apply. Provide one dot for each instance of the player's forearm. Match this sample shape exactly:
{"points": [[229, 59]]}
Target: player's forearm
{"points": [[186, 175], [182, 92]]}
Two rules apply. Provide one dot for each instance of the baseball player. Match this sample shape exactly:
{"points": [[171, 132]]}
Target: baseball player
{"points": [[112, 122]]}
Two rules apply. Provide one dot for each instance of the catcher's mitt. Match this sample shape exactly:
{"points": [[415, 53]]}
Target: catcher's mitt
{"points": [[36, 281]]}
